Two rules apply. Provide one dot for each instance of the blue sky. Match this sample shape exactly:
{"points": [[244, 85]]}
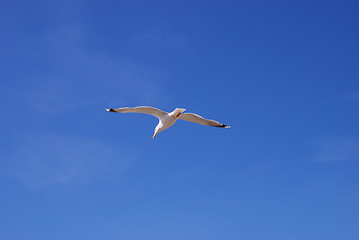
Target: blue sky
{"points": [[283, 74]]}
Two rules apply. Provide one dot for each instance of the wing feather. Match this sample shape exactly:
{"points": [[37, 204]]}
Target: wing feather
{"points": [[142, 109], [191, 117]]}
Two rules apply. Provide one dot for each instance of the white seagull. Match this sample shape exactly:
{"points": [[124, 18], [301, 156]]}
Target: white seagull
{"points": [[166, 119]]}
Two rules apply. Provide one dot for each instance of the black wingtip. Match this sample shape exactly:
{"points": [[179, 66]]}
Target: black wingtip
{"points": [[110, 110], [223, 126]]}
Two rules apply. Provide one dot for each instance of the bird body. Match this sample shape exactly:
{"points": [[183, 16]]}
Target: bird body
{"points": [[169, 119], [166, 119]]}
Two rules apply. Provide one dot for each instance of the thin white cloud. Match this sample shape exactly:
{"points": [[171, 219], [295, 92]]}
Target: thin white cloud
{"points": [[76, 76], [43, 160], [352, 96], [336, 149], [169, 41], [55, 95]]}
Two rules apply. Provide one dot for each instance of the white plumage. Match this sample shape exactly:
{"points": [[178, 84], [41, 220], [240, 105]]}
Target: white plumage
{"points": [[166, 119]]}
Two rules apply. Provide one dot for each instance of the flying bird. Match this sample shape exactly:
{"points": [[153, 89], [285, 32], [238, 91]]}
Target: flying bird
{"points": [[166, 119]]}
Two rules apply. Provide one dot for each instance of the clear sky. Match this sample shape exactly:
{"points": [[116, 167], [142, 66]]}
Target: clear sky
{"points": [[283, 74]]}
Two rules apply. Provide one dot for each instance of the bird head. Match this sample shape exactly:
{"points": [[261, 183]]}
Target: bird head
{"points": [[157, 130]]}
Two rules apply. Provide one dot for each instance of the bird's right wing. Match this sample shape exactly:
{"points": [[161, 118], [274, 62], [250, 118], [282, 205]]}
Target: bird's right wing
{"points": [[191, 117], [143, 109]]}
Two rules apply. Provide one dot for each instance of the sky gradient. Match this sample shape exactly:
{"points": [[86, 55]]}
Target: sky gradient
{"points": [[283, 74]]}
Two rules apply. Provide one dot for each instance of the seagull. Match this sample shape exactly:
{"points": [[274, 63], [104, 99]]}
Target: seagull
{"points": [[166, 119]]}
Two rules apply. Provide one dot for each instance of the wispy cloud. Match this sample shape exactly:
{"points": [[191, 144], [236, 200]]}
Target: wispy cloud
{"points": [[75, 75], [352, 96], [42, 160], [336, 149], [170, 41]]}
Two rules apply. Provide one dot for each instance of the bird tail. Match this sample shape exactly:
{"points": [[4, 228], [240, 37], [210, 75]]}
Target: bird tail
{"points": [[177, 112]]}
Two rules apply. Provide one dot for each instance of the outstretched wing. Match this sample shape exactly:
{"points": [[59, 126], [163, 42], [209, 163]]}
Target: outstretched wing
{"points": [[143, 109], [191, 117]]}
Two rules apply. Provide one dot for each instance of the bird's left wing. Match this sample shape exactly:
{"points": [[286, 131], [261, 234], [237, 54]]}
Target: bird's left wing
{"points": [[143, 109], [191, 117]]}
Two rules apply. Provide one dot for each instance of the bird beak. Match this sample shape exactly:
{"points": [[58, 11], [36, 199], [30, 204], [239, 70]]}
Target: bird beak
{"points": [[154, 135]]}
